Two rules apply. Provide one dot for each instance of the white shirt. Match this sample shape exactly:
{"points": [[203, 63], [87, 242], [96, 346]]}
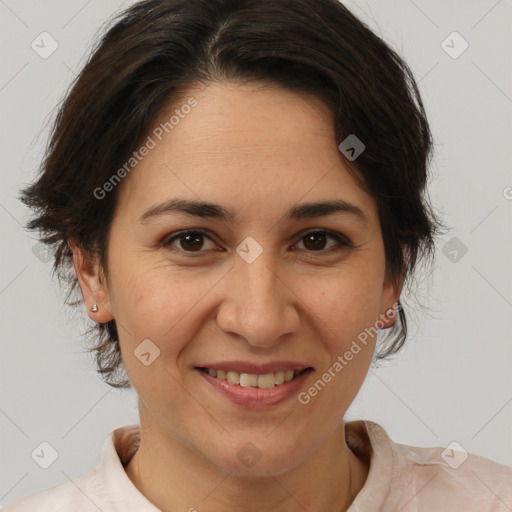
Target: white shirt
{"points": [[401, 478]]}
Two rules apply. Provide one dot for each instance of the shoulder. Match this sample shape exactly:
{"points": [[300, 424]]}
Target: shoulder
{"points": [[97, 488], [81, 494], [451, 477], [410, 478]]}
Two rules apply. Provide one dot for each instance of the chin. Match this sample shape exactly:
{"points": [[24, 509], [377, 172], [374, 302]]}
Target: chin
{"points": [[251, 461], [262, 468]]}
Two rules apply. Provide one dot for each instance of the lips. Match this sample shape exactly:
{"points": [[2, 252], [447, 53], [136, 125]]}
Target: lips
{"points": [[255, 386]]}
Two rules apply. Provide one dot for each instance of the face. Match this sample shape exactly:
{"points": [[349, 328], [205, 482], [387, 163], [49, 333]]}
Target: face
{"points": [[272, 287]]}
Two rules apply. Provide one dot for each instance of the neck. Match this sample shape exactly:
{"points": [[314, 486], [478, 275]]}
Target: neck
{"points": [[174, 477]]}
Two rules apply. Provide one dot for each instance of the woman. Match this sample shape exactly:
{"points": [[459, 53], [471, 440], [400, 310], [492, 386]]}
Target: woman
{"points": [[238, 189]]}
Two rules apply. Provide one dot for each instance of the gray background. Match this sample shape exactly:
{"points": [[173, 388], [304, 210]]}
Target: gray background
{"points": [[452, 382]]}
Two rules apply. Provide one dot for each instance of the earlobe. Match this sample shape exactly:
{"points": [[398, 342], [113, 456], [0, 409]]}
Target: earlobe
{"points": [[94, 288], [388, 318]]}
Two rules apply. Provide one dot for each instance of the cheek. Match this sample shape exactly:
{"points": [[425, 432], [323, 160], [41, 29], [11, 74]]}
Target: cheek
{"points": [[156, 307], [155, 311], [149, 295], [169, 308], [345, 313], [346, 303]]}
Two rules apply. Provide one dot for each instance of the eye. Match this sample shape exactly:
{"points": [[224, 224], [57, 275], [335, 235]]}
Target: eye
{"points": [[190, 241], [315, 241]]}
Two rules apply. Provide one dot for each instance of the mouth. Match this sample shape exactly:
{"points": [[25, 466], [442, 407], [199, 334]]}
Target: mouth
{"points": [[253, 380]]}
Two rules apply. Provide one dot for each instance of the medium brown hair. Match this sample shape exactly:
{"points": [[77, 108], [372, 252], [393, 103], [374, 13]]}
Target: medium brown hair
{"points": [[157, 50]]}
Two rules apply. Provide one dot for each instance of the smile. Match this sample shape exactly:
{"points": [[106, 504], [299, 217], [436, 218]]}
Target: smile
{"points": [[252, 380]]}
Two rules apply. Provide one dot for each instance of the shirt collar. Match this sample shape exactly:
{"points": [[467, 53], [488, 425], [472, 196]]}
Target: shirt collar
{"points": [[118, 449], [365, 438], [385, 468]]}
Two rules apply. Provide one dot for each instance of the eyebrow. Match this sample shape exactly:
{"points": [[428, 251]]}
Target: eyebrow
{"points": [[204, 209]]}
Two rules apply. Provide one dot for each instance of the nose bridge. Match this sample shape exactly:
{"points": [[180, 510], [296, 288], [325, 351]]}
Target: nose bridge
{"points": [[260, 280], [258, 310], [256, 265]]}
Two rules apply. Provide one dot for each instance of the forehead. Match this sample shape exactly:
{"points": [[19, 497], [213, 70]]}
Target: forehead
{"points": [[242, 146]]}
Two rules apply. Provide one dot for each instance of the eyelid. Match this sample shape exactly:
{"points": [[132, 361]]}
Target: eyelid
{"points": [[341, 238], [167, 241]]}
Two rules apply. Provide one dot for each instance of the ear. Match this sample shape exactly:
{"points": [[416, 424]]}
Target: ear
{"points": [[390, 295], [92, 283]]}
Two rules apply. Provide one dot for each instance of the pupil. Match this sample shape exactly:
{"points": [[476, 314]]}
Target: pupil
{"points": [[192, 245], [311, 237]]}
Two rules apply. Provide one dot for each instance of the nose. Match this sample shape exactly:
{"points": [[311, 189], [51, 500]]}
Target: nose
{"points": [[259, 305]]}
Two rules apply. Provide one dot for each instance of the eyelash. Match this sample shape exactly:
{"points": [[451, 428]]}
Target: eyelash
{"points": [[342, 241]]}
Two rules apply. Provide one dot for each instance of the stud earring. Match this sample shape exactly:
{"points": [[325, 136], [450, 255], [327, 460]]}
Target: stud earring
{"points": [[94, 308]]}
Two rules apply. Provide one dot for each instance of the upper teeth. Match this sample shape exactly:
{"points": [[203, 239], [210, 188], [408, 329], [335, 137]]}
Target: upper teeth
{"points": [[251, 380]]}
